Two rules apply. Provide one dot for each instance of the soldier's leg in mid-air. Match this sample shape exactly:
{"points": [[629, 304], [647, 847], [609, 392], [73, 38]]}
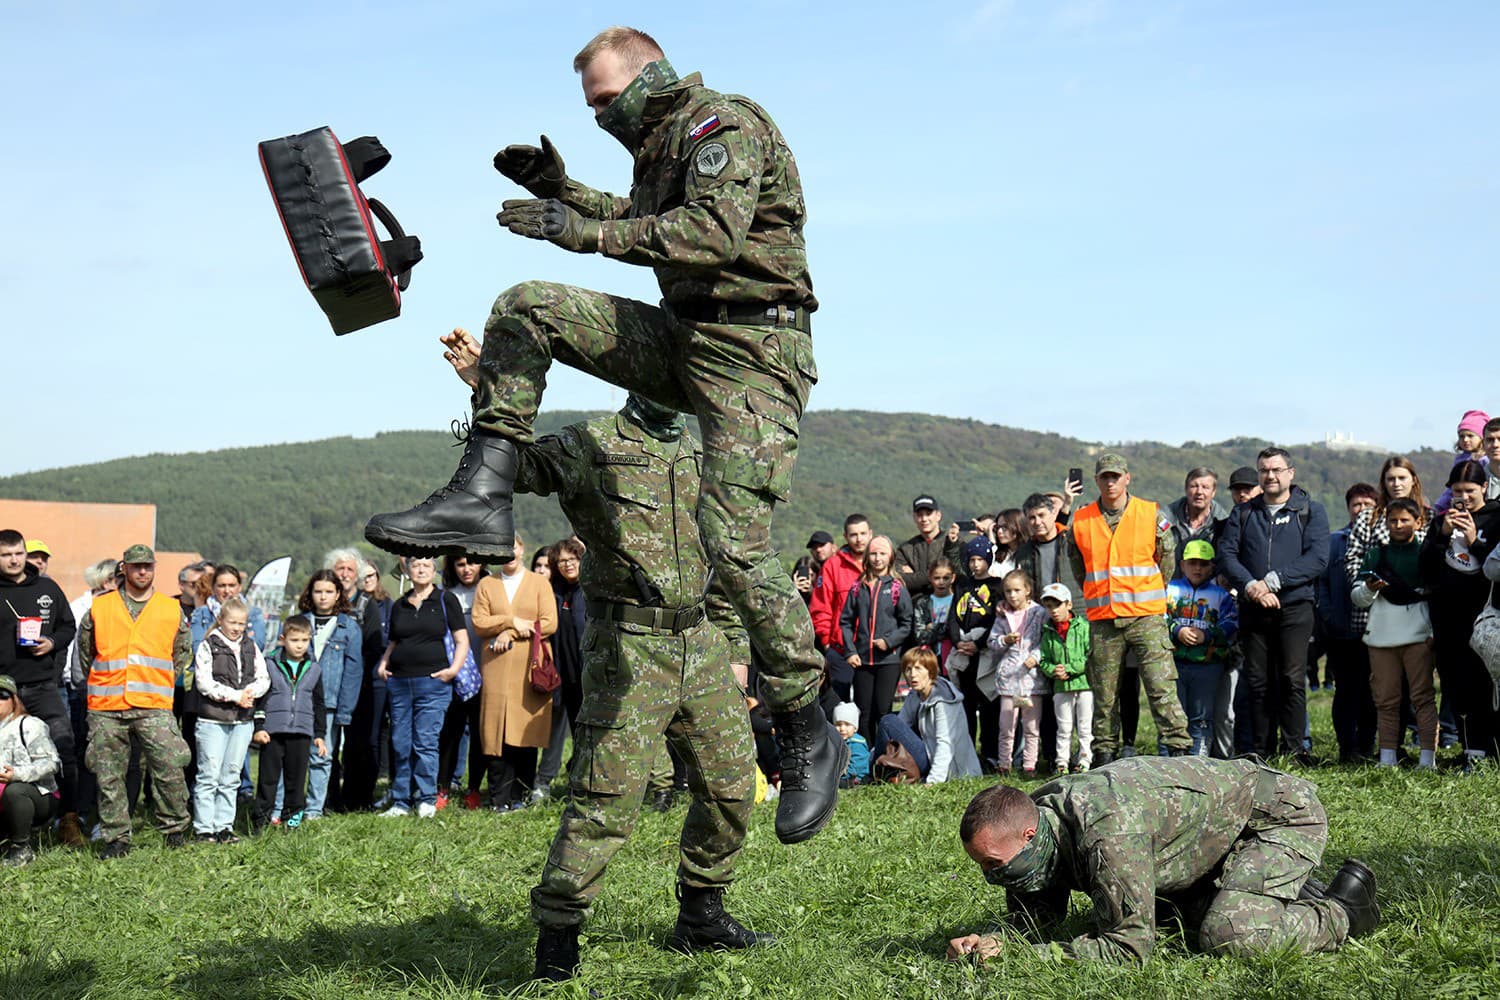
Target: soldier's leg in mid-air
{"points": [[107, 756], [1153, 648], [619, 340]]}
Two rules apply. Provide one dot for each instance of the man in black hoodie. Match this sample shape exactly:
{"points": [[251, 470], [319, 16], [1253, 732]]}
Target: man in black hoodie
{"points": [[36, 628]]}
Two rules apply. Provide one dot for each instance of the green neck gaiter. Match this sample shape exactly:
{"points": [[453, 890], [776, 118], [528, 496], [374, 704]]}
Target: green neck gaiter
{"points": [[659, 422], [623, 118]]}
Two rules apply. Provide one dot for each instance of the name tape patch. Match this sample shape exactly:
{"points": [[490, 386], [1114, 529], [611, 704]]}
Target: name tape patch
{"points": [[640, 460]]}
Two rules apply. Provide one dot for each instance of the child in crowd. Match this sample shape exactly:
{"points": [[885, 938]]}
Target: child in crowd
{"points": [[1015, 680], [1062, 656], [931, 611], [968, 624], [288, 725], [1397, 635], [230, 674], [1203, 618], [1468, 448], [846, 721], [876, 622]]}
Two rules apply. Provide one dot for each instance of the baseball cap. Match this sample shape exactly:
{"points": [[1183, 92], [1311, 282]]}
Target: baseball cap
{"points": [[926, 500], [1110, 462], [8, 683], [139, 554], [1199, 548], [1244, 476], [37, 545], [819, 538], [1057, 592]]}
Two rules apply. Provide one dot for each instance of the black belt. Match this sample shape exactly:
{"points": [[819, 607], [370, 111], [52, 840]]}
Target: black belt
{"points": [[673, 620], [746, 314]]}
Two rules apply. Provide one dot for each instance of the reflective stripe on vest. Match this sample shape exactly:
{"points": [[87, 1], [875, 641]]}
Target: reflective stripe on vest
{"points": [[132, 665], [1121, 579]]}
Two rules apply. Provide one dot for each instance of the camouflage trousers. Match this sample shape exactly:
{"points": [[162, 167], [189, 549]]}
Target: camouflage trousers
{"points": [[746, 384], [1148, 638], [165, 755], [638, 685], [1250, 904]]}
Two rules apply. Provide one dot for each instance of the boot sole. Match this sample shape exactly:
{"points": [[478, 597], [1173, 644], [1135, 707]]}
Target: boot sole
{"points": [[449, 543], [807, 832]]}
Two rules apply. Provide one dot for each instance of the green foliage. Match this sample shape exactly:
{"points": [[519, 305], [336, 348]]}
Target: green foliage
{"points": [[360, 906], [252, 504]]}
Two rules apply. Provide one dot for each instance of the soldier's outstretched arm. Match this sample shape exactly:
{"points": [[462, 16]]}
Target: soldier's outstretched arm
{"points": [[1122, 884], [594, 204]]}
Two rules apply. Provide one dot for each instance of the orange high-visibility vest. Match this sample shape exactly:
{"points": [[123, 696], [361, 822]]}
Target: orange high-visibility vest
{"points": [[1121, 577], [132, 665]]}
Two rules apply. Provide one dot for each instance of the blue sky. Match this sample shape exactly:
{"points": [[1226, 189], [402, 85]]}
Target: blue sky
{"points": [[1115, 220]]}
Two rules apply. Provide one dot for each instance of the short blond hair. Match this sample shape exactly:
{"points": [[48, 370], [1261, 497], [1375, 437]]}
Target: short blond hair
{"points": [[635, 48]]}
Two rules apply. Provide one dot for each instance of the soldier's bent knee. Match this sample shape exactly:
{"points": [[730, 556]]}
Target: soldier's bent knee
{"points": [[1219, 935]]}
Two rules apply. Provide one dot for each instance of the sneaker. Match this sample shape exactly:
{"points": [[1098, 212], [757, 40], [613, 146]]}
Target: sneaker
{"points": [[441, 803], [538, 795], [275, 820], [96, 834], [472, 800], [19, 855], [396, 810], [294, 821], [427, 810], [226, 837]]}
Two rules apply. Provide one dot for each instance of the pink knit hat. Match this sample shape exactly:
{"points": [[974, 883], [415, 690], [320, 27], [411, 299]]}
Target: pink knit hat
{"points": [[1474, 421]]}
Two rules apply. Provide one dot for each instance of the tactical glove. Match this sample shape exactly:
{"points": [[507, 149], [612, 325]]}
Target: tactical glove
{"points": [[539, 171], [550, 220]]}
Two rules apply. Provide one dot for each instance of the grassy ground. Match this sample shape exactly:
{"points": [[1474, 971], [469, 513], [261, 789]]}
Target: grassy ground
{"points": [[358, 906]]}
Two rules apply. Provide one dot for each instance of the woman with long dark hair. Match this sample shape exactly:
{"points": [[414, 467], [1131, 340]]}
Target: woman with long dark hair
{"points": [[462, 576], [338, 647]]}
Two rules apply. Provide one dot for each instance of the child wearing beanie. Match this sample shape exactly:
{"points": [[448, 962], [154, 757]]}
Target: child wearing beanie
{"points": [[1468, 448], [846, 721]]}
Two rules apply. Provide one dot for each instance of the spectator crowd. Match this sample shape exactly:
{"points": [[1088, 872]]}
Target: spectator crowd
{"points": [[1020, 642]]}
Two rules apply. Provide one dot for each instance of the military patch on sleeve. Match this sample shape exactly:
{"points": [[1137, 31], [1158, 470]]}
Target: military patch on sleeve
{"points": [[705, 127], [711, 159]]}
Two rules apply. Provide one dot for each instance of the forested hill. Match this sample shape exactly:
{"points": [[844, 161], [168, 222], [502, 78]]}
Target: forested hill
{"points": [[252, 504]]}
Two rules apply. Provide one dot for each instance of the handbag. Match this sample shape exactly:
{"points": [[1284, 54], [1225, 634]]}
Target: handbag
{"points": [[1485, 641], [896, 766], [469, 679], [540, 669]]}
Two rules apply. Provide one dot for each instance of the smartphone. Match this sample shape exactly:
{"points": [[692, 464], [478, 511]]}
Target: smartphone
{"points": [[967, 525], [1075, 475]]}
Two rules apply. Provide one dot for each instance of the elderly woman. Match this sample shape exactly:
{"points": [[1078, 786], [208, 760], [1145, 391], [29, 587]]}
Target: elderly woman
{"points": [[511, 611], [419, 671], [29, 766], [931, 723]]}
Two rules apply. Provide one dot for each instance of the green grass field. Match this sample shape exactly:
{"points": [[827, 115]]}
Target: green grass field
{"points": [[359, 906]]}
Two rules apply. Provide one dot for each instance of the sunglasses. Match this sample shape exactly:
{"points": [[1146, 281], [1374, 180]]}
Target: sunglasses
{"points": [[4, 696]]}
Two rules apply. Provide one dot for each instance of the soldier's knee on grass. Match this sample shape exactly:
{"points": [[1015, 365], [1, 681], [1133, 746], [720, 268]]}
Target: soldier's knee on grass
{"points": [[1222, 934]]}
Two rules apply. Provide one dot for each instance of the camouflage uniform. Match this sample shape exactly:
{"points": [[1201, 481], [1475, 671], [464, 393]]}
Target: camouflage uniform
{"points": [[1225, 846], [1148, 637], [630, 498], [162, 745], [716, 210]]}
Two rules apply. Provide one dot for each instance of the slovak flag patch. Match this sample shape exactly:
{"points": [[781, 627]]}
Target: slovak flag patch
{"points": [[707, 126]]}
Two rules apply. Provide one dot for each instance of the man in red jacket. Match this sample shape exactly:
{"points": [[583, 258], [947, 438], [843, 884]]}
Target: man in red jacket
{"points": [[839, 574]]}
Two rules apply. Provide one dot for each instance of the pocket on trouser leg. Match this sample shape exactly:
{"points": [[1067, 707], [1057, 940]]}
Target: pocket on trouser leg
{"points": [[762, 453]]}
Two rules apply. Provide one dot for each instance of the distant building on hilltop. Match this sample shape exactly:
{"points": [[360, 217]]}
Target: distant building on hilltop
{"points": [[1344, 441]]}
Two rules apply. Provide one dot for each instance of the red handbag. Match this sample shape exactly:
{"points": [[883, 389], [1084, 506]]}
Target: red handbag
{"points": [[540, 668]]}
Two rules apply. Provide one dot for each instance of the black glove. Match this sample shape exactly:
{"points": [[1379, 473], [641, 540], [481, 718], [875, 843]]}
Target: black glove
{"points": [[539, 171], [550, 220]]}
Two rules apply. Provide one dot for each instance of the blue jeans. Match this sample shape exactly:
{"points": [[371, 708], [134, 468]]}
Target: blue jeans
{"points": [[893, 727], [222, 750], [418, 705], [319, 768], [1198, 691]]}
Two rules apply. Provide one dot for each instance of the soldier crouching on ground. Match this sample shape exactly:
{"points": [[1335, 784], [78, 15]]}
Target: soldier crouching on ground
{"points": [[657, 656], [1224, 846], [716, 210]]}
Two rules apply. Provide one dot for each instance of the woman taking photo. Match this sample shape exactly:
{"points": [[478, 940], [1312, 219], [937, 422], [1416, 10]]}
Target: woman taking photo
{"points": [[512, 611], [29, 766], [419, 672]]}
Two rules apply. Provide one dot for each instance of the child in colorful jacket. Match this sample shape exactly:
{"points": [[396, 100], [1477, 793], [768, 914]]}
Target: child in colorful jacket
{"points": [[1203, 619]]}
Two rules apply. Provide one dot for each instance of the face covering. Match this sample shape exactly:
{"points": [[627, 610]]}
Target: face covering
{"points": [[622, 119], [1032, 868], [658, 421]]}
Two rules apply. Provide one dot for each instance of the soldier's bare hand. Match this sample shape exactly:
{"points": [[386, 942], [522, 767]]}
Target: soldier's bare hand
{"points": [[461, 350], [973, 946]]}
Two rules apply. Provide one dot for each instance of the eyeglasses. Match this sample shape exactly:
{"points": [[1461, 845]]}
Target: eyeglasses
{"points": [[567, 561], [1278, 473]]}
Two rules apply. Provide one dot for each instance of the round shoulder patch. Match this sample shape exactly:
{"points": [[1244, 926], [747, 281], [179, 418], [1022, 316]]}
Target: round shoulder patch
{"points": [[710, 159]]}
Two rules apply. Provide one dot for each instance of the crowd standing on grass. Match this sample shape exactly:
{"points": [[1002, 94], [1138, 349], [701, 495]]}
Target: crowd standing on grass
{"points": [[1015, 644]]}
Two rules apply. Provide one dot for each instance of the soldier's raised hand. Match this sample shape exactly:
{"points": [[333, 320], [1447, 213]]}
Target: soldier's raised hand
{"points": [[540, 171], [551, 220], [461, 350]]}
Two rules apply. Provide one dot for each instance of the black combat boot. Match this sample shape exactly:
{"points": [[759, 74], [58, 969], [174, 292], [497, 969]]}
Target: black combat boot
{"points": [[703, 924], [471, 514], [1101, 758], [556, 953], [1179, 751], [1353, 888], [813, 758]]}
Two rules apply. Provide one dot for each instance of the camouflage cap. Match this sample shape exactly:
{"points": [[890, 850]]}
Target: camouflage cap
{"points": [[139, 554], [8, 683], [1110, 462]]}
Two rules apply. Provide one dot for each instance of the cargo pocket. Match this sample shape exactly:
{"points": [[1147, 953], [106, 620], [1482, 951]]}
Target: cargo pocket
{"points": [[763, 455]]}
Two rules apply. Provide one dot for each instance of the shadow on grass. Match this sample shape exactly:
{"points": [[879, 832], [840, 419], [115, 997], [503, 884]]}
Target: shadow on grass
{"points": [[36, 979]]}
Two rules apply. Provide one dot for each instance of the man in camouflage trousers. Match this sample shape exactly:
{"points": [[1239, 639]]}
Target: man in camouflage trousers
{"points": [[716, 210], [137, 643], [1224, 847], [657, 656], [1125, 597]]}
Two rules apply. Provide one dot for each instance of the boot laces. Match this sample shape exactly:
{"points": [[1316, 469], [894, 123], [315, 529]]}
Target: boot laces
{"points": [[463, 434], [796, 743]]}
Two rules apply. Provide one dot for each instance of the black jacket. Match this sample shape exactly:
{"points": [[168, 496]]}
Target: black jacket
{"points": [[35, 597]]}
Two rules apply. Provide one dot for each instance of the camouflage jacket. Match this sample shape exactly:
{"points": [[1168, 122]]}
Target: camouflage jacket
{"points": [[1134, 830], [716, 204], [631, 499]]}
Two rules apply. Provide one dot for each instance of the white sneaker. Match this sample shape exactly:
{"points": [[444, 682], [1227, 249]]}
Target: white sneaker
{"points": [[426, 810], [538, 795], [396, 811]]}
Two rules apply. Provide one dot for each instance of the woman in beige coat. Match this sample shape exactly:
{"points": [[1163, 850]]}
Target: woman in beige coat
{"points": [[514, 719]]}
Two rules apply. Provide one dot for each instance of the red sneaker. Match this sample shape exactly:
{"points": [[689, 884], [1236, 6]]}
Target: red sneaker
{"points": [[471, 800], [442, 800]]}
